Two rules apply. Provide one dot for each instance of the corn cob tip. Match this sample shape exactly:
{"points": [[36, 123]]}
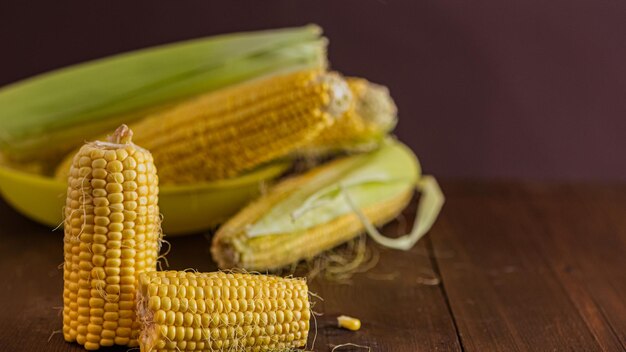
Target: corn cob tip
{"points": [[315, 28], [340, 94], [122, 135], [376, 107]]}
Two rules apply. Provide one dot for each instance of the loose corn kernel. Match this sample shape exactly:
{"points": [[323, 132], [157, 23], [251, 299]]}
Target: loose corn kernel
{"points": [[349, 323]]}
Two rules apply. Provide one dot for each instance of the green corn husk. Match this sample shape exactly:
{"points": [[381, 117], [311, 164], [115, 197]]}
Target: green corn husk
{"points": [[306, 215], [43, 117]]}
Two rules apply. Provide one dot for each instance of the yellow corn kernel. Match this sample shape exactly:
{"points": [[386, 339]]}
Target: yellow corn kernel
{"points": [[224, 133], [349, 323], [104, 254], [269, 320]]}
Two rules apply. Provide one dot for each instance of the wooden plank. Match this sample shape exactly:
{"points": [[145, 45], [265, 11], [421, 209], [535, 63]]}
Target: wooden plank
{"points": [[610, 297], [399, 315], [398, 311], [584, 240], [32, 288], [534, 268], [502, 283]]}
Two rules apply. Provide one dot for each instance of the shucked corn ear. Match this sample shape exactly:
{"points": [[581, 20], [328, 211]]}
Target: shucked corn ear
{"points": [[368, 119], [44, 117], [112, 233], [188, 311], [303, 216], [222, 134], [363, 127]]}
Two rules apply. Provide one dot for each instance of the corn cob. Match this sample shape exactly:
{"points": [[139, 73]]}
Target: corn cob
{"points": [[112, 233], [188, 311], [222, 134], [43, 118], [303, 216], [363, 127]]}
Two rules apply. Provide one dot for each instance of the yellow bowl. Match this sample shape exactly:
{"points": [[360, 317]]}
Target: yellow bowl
{"points": [[185, 208]]}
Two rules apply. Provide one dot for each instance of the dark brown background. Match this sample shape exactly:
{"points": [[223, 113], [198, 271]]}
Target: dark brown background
{"points": [[486, 89]]}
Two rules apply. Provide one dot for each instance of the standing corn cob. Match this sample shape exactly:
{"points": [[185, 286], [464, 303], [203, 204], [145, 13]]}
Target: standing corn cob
{"points": [[363, 127], [303, 216], [112, 235], [187, 311], [221, 134]]}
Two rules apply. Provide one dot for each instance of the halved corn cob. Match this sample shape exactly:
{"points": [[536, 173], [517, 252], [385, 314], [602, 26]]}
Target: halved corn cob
{"points": [[188, 311], [112, 233], [363, 127], [222, 134], [303, 216]]}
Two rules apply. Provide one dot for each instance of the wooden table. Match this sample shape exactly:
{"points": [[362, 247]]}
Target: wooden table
{"points": [[522, 267]]}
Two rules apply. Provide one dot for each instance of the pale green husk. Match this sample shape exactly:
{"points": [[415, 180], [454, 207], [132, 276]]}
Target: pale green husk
{"points": [[427, 212], [370, 178], [356, 183], [47, 115]]}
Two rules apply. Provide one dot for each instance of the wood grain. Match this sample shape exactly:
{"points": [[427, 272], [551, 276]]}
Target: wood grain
{"points": [[510, 284], [523, 267], [398, 311]]}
